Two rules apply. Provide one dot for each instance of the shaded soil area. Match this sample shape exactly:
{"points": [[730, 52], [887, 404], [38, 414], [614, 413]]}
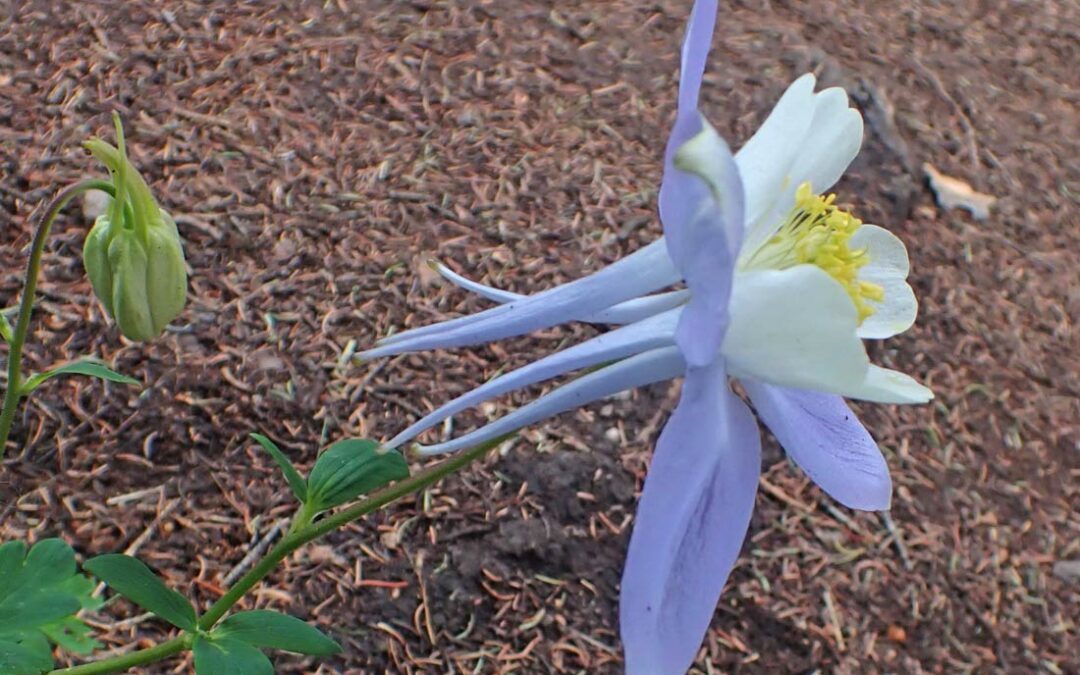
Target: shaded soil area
{"points": [[316, 154]]}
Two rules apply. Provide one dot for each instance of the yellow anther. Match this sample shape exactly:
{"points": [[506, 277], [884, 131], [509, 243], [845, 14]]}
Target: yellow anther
{"points": [[816, 232]]}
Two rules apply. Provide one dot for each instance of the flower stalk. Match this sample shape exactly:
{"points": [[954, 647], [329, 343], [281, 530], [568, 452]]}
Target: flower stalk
{"points": [[14, 392], [302, 531], [780, 289]]}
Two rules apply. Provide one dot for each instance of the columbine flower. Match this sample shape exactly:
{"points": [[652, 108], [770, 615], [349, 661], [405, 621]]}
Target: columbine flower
{"points": [[781, 288]]}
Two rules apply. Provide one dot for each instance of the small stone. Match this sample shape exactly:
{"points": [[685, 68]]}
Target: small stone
{"points": [[324, 553], [954, 193], [390, 539], [1069, 570], [467, 118], [94, 203], [267, 361], [896, 634]]}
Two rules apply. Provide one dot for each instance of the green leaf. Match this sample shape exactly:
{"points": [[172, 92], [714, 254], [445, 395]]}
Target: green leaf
{"points": [[11, 561], [24, 656], [296, 481], [34, 608], [72, 635], [11, 556], [351, 468], [263, 628], [82, 587], [226, 656], [85, 367], [6, 331], [131, 578], [40, 592]]}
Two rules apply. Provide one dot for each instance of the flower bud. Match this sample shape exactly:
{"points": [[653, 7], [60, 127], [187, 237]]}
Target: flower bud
{"points": [[133, 254]]}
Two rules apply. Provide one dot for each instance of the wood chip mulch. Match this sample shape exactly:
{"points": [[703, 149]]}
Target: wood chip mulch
{"points": [[316, 154]]}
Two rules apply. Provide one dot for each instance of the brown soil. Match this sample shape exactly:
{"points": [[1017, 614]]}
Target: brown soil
{"points": [[315, 154]]}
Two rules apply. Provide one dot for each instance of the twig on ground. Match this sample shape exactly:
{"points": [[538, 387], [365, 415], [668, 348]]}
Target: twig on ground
{"points": [[898, 540], [255, 553]]}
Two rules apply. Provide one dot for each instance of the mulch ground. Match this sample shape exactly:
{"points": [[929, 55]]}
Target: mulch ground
{"points": [[315, 155]]}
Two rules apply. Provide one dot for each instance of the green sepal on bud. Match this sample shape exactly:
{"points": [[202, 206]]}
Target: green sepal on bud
{"points": [[133, 254]]}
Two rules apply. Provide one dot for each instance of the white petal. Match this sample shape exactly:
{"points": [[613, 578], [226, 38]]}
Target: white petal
{"points": [[794, 328], [888, 268], [766, 159], [882, 385], [820, 156], [835, 135]]}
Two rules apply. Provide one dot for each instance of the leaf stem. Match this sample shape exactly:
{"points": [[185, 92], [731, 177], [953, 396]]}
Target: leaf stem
{"points": [[119, 664], [299, 534], [307, 533], [14, 390]]}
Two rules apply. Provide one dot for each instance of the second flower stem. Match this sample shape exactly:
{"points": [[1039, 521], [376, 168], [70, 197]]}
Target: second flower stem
{"points": [[312, 531], [13, 394], [302, 534]]}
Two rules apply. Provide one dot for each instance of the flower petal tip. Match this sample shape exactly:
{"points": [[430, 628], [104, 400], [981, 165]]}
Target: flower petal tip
{"points": [[382, 348], [380, 343], [418, 451], [806, 80], [708, 156], [876, 497], [699, 153]]}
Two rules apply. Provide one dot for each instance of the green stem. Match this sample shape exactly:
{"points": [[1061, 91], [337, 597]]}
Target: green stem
{"points": [[300, 533], [26, 306], [302, 519], [119, 664], [339, 519]]}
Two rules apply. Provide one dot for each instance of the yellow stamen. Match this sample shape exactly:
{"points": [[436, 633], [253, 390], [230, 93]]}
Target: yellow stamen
{"points": [[818, 233]]}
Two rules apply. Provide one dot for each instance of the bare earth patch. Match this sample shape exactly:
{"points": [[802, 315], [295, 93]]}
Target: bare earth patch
{"points": [[316, 154]]}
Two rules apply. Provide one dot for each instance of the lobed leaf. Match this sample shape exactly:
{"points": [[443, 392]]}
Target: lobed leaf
{"points": [[40, 592], [34, 608], [24, 655], [71, 634]]}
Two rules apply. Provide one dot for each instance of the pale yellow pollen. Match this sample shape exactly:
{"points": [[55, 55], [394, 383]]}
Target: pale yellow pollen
{"points": [[818, 233]]}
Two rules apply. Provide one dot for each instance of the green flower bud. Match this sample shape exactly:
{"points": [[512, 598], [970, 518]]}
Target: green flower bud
{"points": [[133, 254]]}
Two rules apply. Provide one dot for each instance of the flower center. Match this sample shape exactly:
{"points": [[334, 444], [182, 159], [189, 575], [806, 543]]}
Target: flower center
{"points": [[818, 233]]}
